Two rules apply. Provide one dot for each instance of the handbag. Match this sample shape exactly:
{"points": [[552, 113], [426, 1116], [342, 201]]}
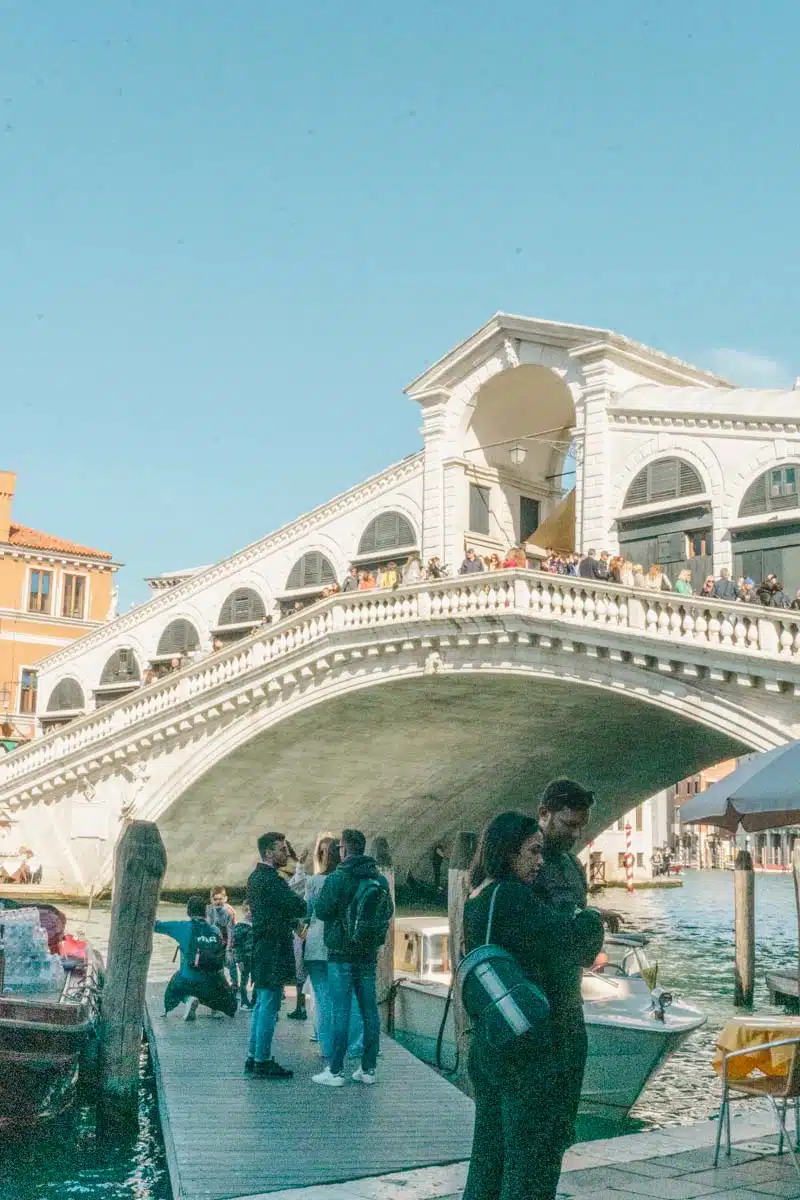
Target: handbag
{"points": [[497, 994]]}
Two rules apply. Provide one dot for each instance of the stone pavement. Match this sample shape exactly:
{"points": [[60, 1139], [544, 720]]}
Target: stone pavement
{"points": [[665, 1164]]}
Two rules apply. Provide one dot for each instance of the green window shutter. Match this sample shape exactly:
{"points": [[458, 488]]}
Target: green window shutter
{"points": [[388, 531], [122, 667], [689, 482], [312, 570], [637, 492], [66, 696], [243, 605], [479, 499], [180, 637]]}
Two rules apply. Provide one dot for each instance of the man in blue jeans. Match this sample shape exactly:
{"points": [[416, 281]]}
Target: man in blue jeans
{"points": [[356, 908], [275, 910]]}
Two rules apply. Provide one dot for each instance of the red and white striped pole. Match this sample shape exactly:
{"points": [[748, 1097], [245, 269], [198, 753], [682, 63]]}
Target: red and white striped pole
{"points": [[628, 859]]}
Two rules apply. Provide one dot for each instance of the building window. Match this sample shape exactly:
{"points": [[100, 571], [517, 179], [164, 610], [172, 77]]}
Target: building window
{"points": [[639, 818], [388, 531], [74, 601], [771, 492], [698, 544], [665, 479], [180, 637], [528, 517], [39, 596], [621, 860], [244, 606], [478, 509], [640, 859], [27, 692], [313, 570]]}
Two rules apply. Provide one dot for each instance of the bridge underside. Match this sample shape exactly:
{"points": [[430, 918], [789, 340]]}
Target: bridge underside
{"points": [[418, 760]]}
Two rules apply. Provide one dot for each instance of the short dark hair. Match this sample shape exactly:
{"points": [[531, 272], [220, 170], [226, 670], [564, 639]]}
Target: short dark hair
{"points": [[268, 841], [353, 841], [500, 840], [566, 793], [196, 906]]}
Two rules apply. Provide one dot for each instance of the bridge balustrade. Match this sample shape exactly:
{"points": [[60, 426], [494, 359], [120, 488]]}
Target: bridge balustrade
{"points": [[653, 617]]}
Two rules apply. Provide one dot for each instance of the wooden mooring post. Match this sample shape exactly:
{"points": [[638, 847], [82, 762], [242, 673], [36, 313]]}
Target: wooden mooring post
{"points": [[385, 964], [461, 858], [140, 861], [745, 929]]}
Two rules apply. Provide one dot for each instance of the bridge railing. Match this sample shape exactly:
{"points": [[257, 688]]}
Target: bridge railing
{"points": [[655, 617]]}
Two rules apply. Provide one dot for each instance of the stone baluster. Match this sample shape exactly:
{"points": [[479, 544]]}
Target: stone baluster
{"points": [[650, 617], [567, 603], [675, 622], [714, 628]]}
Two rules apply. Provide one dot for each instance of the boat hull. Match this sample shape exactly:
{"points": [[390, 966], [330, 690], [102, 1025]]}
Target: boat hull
{"points": [[622, 1057], [41, 1047]]}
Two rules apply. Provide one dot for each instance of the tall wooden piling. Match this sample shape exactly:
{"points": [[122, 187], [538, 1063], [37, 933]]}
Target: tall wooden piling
{"points": [[384, 971], [140, 861], [461, 858], [745, 929], [796, 876]]}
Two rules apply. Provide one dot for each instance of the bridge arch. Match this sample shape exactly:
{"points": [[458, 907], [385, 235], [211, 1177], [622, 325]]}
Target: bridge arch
{"points": [[415, 752]]}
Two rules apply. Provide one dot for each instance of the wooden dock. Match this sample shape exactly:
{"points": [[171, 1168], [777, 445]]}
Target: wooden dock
{"points": [[229, 1136]]}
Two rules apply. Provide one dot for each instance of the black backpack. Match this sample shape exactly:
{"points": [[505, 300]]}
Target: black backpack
{"points": [[368, 916], [243, 938], [206, 948]]}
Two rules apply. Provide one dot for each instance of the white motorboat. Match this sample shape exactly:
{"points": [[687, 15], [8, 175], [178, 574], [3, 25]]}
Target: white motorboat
{"points": [[633, 1024]]}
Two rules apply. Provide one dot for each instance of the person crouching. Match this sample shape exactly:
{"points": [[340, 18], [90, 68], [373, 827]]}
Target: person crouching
{"points": [[200, 978]]}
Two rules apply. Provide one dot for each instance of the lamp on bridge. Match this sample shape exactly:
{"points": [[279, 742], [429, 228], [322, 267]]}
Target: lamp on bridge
{"points": [[518, 454]]}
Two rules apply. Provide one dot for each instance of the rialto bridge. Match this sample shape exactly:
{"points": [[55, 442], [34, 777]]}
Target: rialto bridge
{"points": [[411, 713], [417, 712]]}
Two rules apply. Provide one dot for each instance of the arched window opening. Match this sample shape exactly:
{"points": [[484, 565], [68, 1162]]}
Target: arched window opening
{"points": [[774, 491], [180, 637], [66, 696], [665, 479], [313, 570], [242, 607], [121, 674], [241, 613], [388, 531]]}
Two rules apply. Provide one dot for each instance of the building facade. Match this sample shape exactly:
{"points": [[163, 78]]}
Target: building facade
{"points": [[52, 592]]}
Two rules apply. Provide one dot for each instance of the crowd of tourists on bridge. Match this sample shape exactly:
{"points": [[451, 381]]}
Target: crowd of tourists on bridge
{"points": [[319, 920], [615, 568]]}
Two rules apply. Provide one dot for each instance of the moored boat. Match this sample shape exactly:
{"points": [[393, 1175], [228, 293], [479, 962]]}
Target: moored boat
{"points": [[633, 1025], [48, 1016]]}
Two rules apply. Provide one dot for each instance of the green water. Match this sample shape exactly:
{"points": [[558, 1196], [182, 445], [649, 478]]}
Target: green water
{"points": [[691, 931]]}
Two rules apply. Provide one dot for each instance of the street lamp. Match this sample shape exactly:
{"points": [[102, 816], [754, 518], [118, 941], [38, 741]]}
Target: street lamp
{"points": [[518, 454]]}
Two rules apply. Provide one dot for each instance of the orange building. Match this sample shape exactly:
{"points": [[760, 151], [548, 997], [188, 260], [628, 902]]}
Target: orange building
{"points": [[51, 591]]}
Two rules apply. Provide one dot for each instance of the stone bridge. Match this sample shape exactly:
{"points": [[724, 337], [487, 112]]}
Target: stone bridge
{"points": [[411, 713]]}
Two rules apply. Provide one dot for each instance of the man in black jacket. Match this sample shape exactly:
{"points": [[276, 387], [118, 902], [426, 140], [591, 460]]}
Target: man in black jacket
{"points": [[275, 910], [589, 567], [351, 963]]}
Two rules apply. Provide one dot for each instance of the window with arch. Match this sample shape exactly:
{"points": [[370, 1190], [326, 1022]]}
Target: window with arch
{"points": [[664, 479], [773, 491], [242, 607], [122, 668], [313, 570], [180, 637], [387, 531], [66, 696]]}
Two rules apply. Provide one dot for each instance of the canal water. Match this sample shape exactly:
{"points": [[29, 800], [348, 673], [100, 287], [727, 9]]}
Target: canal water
{"points": [[691, 932]]}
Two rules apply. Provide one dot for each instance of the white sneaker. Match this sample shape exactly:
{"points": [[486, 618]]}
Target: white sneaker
{"points": [[362, 1076], [328, 1078], [191, 1010]]}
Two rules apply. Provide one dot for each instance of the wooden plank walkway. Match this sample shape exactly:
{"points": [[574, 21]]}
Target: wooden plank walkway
{"points": [[228, 1135]]}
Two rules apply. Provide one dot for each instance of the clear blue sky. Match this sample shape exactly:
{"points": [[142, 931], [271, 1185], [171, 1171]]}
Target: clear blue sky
{"points": [[232, 232]]}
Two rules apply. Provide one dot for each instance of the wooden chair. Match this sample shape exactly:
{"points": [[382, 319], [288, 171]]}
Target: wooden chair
{"points": [[779, 1090]]}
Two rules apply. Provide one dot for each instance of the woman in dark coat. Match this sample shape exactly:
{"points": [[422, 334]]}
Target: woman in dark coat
{"points": [[523, 1105]]}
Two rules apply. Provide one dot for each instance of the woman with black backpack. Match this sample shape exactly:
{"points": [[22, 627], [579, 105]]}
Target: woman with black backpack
{"points": [[522, 1128]]}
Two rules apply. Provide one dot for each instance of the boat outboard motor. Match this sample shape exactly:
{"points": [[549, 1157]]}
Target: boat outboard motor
{"points": [[497, 994]]}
